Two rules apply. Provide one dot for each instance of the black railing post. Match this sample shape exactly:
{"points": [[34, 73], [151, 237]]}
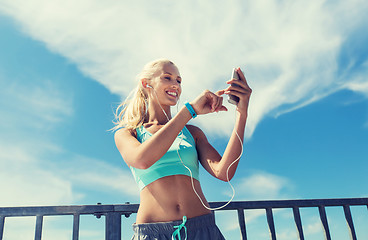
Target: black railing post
{"points": [[298, 222], [2, 221], [76, 226], [38, 231], [349, 220], [323, 216], [113, 226], [241, 219], [271, 223]]}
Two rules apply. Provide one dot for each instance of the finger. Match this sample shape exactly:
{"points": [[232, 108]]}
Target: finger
{"points": [[222, 108], [219, 103], [239, 88], [239, 94], [213, 100], [237, 82], [220, 92], [242, 76]]}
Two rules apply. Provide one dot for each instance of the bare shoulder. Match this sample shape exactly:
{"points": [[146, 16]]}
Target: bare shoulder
{"points": [[124, 134], [127, 144]]}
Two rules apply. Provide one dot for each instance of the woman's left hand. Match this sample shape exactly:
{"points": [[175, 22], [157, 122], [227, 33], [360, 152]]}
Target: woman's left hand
{"points": [[241, 89]]}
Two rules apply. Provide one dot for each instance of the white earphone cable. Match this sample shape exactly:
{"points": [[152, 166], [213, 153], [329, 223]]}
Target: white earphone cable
{"points": [[227, 176]]}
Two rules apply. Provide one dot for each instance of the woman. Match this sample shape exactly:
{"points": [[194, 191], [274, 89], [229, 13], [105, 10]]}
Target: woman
{"points": [[163, 152]]}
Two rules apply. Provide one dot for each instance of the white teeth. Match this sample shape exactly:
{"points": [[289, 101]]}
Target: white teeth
{"points": [[172, 93]]}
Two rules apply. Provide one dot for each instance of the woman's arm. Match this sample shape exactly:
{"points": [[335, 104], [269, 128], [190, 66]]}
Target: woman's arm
{"points": [[209, 157], [143, 155], [211, 160]]}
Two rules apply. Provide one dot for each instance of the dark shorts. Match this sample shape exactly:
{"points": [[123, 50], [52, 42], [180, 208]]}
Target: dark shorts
{"points": [[198, 228]]}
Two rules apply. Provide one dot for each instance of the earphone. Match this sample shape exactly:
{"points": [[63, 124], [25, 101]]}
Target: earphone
{"points": [[147, 85], [191, 174]]}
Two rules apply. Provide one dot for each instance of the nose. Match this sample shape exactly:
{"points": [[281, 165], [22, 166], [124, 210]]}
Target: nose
{"points": [[176, 85]]}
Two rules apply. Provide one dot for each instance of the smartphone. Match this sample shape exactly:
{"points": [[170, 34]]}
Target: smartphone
{"points": [[233, 99]]}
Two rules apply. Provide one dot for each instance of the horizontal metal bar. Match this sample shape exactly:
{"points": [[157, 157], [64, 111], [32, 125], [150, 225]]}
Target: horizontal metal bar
{"points": [[291, 203], [68, 210], [127, 209]]}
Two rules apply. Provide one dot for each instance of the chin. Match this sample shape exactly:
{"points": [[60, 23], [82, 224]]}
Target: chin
{"points": [[173, 103]]}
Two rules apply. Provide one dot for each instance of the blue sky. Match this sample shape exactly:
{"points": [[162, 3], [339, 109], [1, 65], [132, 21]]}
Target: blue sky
{"points": [[64, 67]]}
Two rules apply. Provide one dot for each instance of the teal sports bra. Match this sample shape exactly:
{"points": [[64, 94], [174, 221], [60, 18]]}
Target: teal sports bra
{"points": [[170, 163]]}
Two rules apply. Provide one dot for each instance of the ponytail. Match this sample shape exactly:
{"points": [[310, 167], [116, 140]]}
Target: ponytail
{"points": [[133, 111]]}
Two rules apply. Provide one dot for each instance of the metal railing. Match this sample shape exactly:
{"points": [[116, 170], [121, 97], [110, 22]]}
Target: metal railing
{"points": [[113, 213]]}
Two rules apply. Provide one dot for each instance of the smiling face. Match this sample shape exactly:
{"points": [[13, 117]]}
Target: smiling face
{"points": [[167, 84]]}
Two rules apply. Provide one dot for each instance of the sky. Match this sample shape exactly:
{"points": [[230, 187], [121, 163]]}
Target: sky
{"points": [[66, 65]]}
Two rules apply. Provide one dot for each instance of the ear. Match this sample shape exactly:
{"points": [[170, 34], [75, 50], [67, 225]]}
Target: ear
{"points": [[144, 82]]}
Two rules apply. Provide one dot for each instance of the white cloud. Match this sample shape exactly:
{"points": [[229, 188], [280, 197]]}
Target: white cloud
{"points": [[98, 175], [33, 175], [229, 219], [30, 106], [359, 87], [313, 228], [263, 186], [24, 182], [289, 48], [28, 113], [28, 177], [35, 170]]}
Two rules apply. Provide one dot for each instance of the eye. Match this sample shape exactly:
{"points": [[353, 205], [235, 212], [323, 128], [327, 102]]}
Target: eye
{"points": [[179, 81], [167, 78]]}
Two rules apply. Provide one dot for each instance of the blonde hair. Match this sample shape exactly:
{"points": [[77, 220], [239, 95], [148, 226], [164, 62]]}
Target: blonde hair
{"points": [[133, 111]]}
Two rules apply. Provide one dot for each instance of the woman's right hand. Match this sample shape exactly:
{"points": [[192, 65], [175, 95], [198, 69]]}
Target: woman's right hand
{"points": [[208, 102]]}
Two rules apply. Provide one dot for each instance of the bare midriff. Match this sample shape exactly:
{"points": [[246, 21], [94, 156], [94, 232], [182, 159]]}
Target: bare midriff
{"points": [[169, 199]]}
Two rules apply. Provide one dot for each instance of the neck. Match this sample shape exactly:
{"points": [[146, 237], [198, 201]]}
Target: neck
{"points": [[158, 115]]}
